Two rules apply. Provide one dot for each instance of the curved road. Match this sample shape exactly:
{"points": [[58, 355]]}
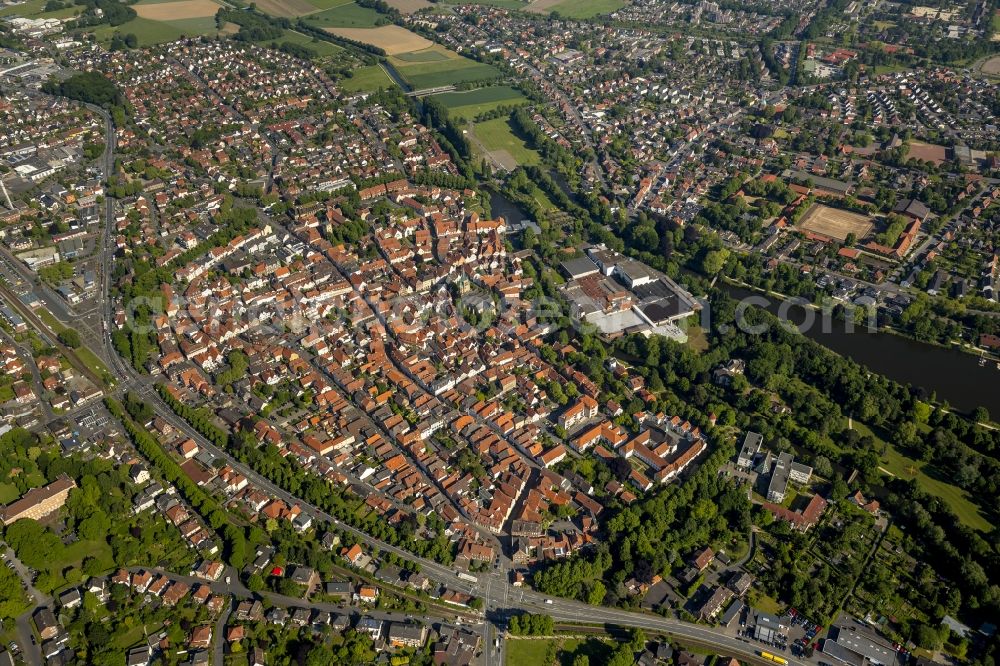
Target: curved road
{"points": [[501, 605]]}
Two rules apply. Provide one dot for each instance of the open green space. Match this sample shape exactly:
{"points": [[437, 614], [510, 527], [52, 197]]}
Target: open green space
{"points": [[349, 15], [526, 651], [497, 134], [767, 604], [329, 4], [425, 55], [149, 32], [87, 357], [49, 319], [505, 4], [535, 651], [453, 71], [90, 359], [36, 9], [8, 493], [898, 464], [322, 48], [583, 9], [365, 79], [471, 103]]}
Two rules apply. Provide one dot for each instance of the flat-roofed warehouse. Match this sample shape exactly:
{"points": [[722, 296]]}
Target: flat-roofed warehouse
{"points": [[579, 267], [855, 647], [662, 301]]}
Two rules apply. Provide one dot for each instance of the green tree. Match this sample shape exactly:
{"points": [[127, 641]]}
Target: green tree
{"points": [[714, 261]]}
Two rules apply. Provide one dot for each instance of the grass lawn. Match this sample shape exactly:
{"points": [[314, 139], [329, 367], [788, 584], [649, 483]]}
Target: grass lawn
{"points": [[526, 651], [497, 134], [368, 78], [130, 638], [583, 9], [349, 15], [767, 604], [471, 103], [889, 69], [75, 553], [26, 9], [49, 320], [8, 493], [453, 71], [87, 357], [150, 32], [697, 338], [90, 359], [898, 464]]}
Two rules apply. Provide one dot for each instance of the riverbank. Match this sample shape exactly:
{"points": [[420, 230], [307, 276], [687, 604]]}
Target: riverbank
{"points": [[965, 347], [949, 375]]}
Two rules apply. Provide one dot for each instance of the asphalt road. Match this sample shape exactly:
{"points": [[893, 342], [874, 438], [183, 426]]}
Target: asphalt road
{"points": [[495, 605]]}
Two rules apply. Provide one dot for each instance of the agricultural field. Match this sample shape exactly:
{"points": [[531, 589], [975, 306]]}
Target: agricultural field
{"points": [[835, 223], [323, 49], [288, 8], [178, 10], [367, 79], [409, 6], [390, 38], [161, 21], [433, 54], [504, 4], [36, 9], [456, 69], [466, 105], [351, 15]]}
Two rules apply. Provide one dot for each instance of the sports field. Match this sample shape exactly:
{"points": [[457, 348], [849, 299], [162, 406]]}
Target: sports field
{"points": [[835, 223], [468, 104], [391, 38], [928, 152]]}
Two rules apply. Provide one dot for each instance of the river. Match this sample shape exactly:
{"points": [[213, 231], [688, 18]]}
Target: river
{"points": [[955, 376], [501, 206]]}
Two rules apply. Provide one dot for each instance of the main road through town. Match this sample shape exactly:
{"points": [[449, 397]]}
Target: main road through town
{"points": [[500, 600]]}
